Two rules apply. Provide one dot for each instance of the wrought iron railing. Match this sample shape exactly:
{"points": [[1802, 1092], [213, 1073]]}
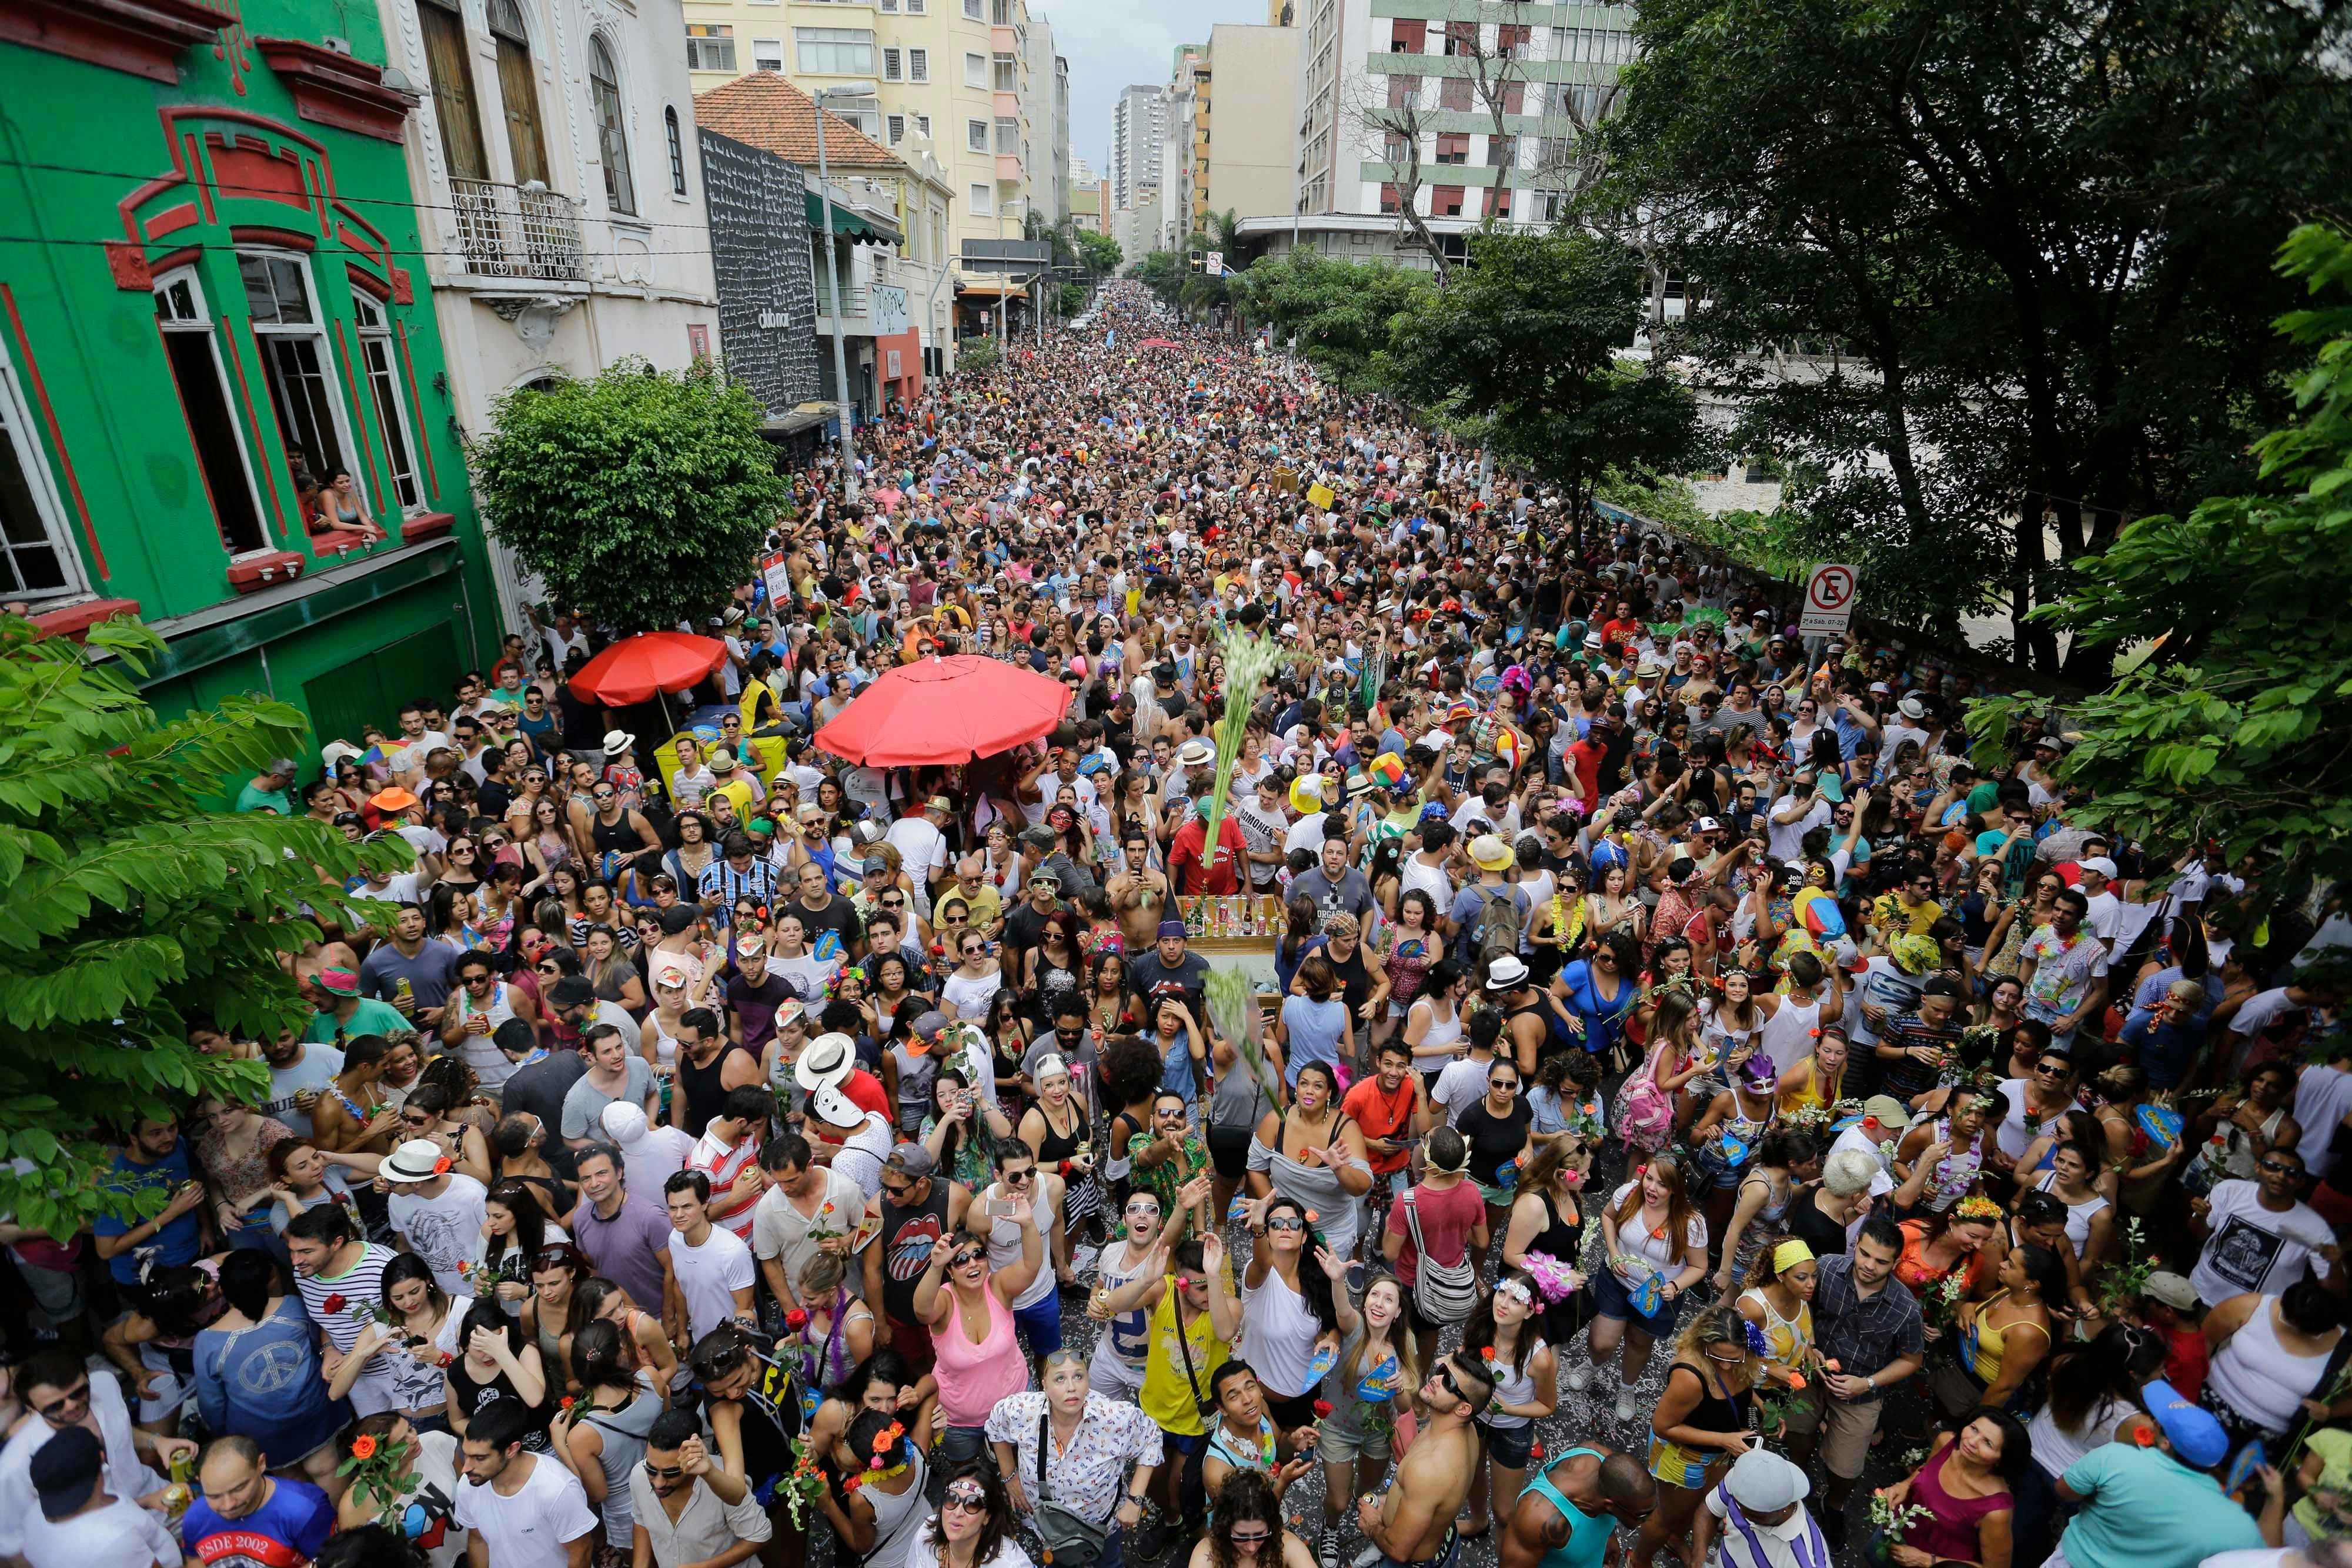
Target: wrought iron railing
{"points": [[519, 231]]}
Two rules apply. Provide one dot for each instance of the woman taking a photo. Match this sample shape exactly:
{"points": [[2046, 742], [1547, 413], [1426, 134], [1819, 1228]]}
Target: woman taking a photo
{"points": [[1651, 1223], [1505, 1334], [1967, 1490], [514, 1229], [1700, 1424], [963, 1130]]}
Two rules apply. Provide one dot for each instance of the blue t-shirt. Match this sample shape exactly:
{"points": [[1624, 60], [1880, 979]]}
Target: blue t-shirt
{"points": [[284, 1531], [178, 1242], [2146, 1510], [1316, 1029]]}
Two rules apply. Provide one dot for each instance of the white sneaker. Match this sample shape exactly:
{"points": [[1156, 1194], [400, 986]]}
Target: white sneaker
{"points": [[1624, 1410], [1579, 1378]]}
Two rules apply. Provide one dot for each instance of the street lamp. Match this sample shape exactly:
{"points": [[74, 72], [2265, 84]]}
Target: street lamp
{"points": [[833, 283]]}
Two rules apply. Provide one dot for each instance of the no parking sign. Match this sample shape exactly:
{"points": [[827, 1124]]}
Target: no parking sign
{"points": [[1828, 600]]}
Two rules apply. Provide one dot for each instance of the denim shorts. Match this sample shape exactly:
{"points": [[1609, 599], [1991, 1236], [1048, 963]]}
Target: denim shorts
{"points": [[1611, 1300], [1510, 1446]]}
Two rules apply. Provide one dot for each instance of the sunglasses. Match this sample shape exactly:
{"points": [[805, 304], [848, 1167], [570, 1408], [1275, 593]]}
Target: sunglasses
{"points": [[78, 1394], [2280, 1167], [1254, 1538], [417, 1121], [966, 1257], [2052, 1068], [966, 1495], [894, 903], [1508, 1084], [1286, 1222]]}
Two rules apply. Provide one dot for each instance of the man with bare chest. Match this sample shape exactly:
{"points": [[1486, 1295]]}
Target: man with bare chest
{"points": [[1138, 893], [1411, 1523]]}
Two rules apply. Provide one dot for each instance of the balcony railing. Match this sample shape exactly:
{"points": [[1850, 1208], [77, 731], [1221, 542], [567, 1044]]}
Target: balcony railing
{"points": [[853, 300], [519, 231]]}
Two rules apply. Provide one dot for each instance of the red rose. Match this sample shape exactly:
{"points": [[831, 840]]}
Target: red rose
{"points": [[1535, 1450], [334, 1304], [796, 1320], [1322, 1407], [441, 1165]]}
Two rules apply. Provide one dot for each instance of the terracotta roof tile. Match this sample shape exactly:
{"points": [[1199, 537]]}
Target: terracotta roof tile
{"points": [[766, 111]]}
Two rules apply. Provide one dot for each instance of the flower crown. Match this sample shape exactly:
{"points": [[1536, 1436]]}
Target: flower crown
{"points": [[1975, 1208]]}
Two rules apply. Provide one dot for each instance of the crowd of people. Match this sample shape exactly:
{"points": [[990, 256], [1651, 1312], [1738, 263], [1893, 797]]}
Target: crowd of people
{"points": [[1675, 1039]]}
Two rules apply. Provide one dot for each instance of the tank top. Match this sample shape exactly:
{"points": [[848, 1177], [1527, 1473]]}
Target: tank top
{"points": [[624, 1432], [769, 1420], [471, 1398], [2259, 1378], [1512, 1388], [490, 1065], [898, 1518], [1949, 1533], [1788, 1339], [1588, 1534], [1955, 1173], [1054, 1148], [1441, 1032], [973, 1377], [1713, 1412], [1004, 1245], [1787, 1035], [1127, 1335], [614, 838], [704, 1094], [664, 1042], [2078, 1215]]}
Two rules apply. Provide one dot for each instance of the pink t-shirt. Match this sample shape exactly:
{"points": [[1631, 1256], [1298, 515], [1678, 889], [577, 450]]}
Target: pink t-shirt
{"points": [[1447, 1215]]}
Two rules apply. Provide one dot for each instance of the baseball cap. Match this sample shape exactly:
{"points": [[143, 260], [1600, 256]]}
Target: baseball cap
{"points": [[64, 1470], [2194, 1435], [2102, 865], [1761, 1481], [1890, 1112], [912, 1160], [2173, 1289]]}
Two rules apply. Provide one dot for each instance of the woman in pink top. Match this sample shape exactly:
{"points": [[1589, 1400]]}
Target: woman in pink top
{"points": [[1961, 1501], [979, 1359]]}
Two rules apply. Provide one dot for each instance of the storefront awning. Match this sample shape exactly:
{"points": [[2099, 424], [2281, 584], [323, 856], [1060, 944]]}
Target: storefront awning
{"points": [[848, 221], [991, 288]]}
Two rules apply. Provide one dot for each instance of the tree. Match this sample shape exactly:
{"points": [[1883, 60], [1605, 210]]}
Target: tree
{"points": [[642, 496], [2232, 727], [133, 907], [1341, 312], [1099, 254], [1993, 270], [1391, 111], [1164, 273], [1529, 337]]}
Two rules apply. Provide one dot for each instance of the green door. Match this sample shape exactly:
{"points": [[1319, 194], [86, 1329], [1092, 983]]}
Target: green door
{"points": [[371, 689]]}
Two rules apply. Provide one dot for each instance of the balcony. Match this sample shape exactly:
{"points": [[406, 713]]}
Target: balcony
{"points": [[1008, 167], [519, 231], [853, 303]]}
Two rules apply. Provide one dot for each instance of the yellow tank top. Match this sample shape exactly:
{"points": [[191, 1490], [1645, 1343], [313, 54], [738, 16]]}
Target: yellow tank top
{"points": [[1809, 1095], [1982, 1345]]}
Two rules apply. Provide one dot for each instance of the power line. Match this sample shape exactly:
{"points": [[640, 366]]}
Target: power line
{"points": [[231, 249]]}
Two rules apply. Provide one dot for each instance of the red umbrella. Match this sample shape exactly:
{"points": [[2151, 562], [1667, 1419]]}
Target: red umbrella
{"points": [[1159, 344], [944, 710], [635, 669]]}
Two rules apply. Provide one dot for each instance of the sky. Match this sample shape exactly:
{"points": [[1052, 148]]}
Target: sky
{"points": [[1111, 44]]}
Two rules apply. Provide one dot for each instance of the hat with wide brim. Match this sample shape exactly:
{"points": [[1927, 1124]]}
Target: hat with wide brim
{"points": [[826, 1061], [413, 1161]]}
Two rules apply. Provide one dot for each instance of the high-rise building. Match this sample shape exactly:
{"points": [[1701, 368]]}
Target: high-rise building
{"points": [[1246, 129], [1139, 124], [950, 74], [1038, 100], [1372, 89]]}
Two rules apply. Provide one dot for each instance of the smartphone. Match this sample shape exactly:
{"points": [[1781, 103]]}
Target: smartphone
{"points": [[1000, 1208]]}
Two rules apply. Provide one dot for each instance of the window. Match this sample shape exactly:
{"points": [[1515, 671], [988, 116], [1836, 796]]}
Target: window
{"points": [[768, 54], [709, 46], [1008, 135], [865, 114], [36, 560], [383, 385], [1389, 200], [979, 200], [923, 126], [1408, 37], [897, 125], [518, 93], [1403, 91], [918, 65], [1000, 12], [916, 8], [1008, 73], [833, 51], [1511, 40], [974, 11], [612, 130], [975, 135], [1453, 147], [893, 65], [1445, 201], [300, 373], [676, 152], [889, 7], [975, 70], [1461, 37], [449, 63], [1453, 92]]}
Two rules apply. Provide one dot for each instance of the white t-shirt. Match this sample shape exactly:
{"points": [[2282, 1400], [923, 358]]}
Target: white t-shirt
{"points": [[1659, 1249], [529, 1529], [1277, 1335], [126, 1474], [653, 1157], [1461, 1084], [120, 1535], [2252, 1249], [709, 1275], [780, 1230], [2321, 1100], [445, 1230], [2104, 915], [922, 848], [1787, 839]]}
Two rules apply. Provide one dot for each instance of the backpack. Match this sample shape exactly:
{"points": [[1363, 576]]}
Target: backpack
{"points": [[1499, 925], [1444, 1292]]}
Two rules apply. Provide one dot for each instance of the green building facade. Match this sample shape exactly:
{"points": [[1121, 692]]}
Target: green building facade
{"points": [[212, 300]]}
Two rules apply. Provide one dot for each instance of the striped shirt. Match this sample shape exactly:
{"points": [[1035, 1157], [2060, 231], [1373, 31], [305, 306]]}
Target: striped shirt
{"points": [[361, 1284]]}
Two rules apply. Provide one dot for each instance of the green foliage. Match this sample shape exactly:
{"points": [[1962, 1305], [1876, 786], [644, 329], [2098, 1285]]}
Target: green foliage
{"points": [[1099, 254], [2234, 729], [1532, 334], [132, 907], [1164, 272], [642, 494], [1342, 312], [976, 355], [1995, 256], [1073, 299]]}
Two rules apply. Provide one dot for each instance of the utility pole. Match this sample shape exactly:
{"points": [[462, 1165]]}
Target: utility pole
{"points": [[844, 411]]}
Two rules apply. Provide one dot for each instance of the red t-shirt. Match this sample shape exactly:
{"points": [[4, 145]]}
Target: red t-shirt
{"points": [[1184, 858], [2185, 1363], [864, 1092], [1447, 1215], [1382, 1115]]}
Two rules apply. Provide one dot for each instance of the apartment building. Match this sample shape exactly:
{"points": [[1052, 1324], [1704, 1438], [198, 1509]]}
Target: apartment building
{"points": [[1247, 130], [1139, 124], [952, 74], [1376, 77]]}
